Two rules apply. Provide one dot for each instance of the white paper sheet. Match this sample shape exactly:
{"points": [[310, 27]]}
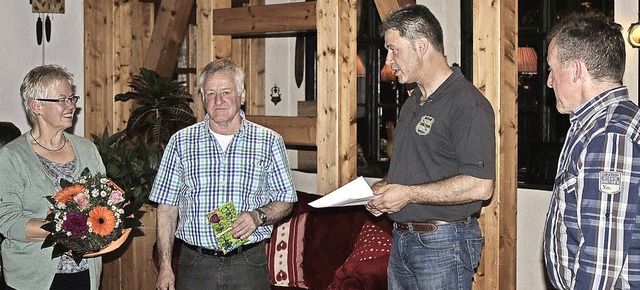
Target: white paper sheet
{"points": [[356, 192]]}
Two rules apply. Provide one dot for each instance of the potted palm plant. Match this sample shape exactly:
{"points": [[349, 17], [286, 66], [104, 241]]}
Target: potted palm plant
{"points": [[162, 107]]}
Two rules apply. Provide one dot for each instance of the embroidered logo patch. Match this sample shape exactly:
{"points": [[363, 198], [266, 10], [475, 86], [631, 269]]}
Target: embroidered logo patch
{"points": [[610, 182], [424, 126]]}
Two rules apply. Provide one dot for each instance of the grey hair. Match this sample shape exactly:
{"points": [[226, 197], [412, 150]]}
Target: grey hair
{"points": [[413, 22], [39, 81], [595, 40], [222, 65]]}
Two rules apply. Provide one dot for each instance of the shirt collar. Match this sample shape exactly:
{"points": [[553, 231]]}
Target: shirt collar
{"points": [[452, 79], [583, 113]]}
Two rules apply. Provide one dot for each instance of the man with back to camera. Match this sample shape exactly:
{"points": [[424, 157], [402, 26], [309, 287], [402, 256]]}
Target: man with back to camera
{"points": [[592, 230], [443, 164]]}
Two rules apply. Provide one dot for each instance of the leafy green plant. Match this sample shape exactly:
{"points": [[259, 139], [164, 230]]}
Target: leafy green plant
{"points": [[162, 107], [131, 165]]}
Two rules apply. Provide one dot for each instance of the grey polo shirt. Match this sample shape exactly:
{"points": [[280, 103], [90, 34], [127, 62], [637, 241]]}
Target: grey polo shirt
{"points": [[450, 134]]}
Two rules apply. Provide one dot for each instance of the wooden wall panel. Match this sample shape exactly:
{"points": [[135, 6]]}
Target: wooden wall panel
{"points": [[336, 79], [249, 54], [495, 74], [98, 61], [116, 35]]}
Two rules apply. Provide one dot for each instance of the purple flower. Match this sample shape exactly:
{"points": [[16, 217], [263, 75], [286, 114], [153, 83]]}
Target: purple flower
{"points": [[214, 219], [76, 223]]}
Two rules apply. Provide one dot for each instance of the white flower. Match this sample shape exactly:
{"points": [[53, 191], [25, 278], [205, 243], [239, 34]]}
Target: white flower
{"points": [[104, 180]]}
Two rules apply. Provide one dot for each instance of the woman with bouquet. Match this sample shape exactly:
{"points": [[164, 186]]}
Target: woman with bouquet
{"points": [[31, 167]]}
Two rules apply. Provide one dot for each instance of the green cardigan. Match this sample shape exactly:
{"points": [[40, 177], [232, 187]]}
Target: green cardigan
{"points": [[23, 187]]}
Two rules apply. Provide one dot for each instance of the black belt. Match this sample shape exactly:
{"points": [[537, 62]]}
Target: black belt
{"points": [[429, 226], [219, 253]]}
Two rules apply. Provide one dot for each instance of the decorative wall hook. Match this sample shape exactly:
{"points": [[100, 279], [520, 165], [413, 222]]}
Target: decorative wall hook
{"points": [[275, 94], [39, 30], [47, 28]]}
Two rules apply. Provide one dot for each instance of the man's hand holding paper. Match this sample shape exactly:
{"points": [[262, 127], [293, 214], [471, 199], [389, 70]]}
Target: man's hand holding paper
{"points": [[356, 192]]}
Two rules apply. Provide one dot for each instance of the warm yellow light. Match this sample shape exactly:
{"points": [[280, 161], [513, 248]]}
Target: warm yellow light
{"points": [[634, 34]]}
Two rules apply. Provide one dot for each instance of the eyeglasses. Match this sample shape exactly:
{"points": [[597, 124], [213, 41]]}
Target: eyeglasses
{"points": [[72, 99]]}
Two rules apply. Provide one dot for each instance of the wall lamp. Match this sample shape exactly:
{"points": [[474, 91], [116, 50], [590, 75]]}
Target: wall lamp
{"points": [[634, 34]]}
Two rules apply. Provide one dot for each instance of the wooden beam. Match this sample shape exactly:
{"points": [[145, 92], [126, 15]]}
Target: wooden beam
{"points": [[386, 6], [209, 47], [262, 19], [170, 27], [295, 130], [495, 42], [336, 76]]}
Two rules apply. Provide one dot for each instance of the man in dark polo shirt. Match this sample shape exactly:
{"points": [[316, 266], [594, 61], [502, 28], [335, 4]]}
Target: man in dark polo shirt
{"points": [[443, 163]]}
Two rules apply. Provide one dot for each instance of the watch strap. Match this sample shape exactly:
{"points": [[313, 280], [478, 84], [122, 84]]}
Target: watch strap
{"points": [[262, 215]]}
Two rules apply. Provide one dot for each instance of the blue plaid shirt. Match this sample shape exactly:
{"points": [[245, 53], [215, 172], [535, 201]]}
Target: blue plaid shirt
{"points": [[592, 234], [198, 176]]}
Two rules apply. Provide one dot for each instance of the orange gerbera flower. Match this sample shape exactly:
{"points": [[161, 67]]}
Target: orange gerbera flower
{"points": [[102, 220], [68, 193]]}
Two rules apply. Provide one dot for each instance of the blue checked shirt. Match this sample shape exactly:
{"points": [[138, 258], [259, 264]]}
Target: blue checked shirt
{"points": [[198, 176], [592, 232]]}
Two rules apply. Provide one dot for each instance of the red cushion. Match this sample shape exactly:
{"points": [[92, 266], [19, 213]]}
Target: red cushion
{"points": [[285, 250], [373, 242], [366, 267]]}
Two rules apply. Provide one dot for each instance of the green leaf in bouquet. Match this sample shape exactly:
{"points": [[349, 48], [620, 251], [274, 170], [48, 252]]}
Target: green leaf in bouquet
{"points": [[50, 199], [133, 207], [49, 241], [50, 216], [131, 223], [49, 227], [86, 172], [65, 183], [58, 250], [77, 257]]}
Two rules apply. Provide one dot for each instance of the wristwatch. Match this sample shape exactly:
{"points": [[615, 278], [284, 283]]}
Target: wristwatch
{"points": [[262, 216]]}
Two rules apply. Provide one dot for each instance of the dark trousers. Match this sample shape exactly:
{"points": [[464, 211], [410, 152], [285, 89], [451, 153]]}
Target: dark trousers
{"points": [[247, 270], [71, 281]]}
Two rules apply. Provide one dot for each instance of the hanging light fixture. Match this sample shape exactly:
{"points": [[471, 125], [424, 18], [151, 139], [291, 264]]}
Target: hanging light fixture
{"points": [[387, 74], [634, 34], [360, 69], [527, 60]]}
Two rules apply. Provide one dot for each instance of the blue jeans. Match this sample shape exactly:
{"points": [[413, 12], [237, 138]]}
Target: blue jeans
{"points": [[444, 259], [245, 270]]}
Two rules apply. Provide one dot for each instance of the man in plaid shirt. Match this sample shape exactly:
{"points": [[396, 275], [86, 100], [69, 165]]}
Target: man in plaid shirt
{"points": [[226, 158], [592, 234]]}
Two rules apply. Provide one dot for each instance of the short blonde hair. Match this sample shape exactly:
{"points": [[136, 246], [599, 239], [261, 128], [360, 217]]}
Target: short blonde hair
{"points": [[37, 83]]}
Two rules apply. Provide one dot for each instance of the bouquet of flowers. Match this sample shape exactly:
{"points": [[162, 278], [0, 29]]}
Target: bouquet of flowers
{"points": [[87, 216]]}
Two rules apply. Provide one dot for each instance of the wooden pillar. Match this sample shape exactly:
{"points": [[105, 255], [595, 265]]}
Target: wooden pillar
{"points": [[117, 35], [336, 78], [495, 74]]}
